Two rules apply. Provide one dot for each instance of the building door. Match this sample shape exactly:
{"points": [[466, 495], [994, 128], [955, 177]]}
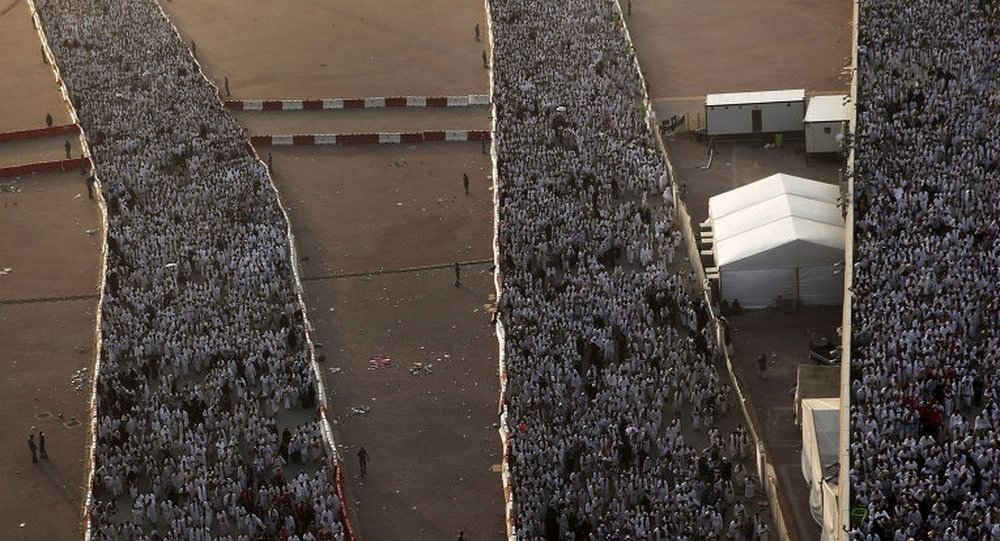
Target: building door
{"points": [[756, 120]]}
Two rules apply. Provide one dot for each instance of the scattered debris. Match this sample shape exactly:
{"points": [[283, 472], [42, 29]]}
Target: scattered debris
{"points": [[420, 369], [360, 410], [91, 231], [5, 271], [335, 369], [379, 362], [79, 379], [10, 188]]}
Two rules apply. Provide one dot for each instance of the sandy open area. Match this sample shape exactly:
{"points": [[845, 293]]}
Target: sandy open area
{"points": [[364, 120], [44, 238], [359, 209], [432, 438], [689, 48], [27, 88], [43, 149], [44, 344], [337, 48]]}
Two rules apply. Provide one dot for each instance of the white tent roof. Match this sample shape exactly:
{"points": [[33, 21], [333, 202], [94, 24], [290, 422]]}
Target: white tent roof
{"points": [[820, 443], [827, 109], [780, 221], [747, 98], [825, 417]]}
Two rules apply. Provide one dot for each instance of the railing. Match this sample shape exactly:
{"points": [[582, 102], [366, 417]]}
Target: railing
{"points": [[510, 520], [844, 452]]}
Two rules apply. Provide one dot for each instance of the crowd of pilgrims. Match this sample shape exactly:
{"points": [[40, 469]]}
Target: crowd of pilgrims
{"points": [[925, 444], [609, 360], [206, 425]]}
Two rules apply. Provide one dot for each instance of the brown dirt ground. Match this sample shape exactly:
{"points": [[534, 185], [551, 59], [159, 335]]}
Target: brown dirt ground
{"points": [[689, 48], [433, 438], [364, 120], [44, 149], [27, 88], [43, 345], [357, 209], [44, 238], [336, 48]]}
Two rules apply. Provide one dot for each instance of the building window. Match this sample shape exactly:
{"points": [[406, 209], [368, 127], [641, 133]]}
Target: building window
{"points": [[826, 130]]}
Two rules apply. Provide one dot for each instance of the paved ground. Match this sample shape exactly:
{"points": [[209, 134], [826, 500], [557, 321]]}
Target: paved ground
{"points": [[364, 120], [357, 209], [44, 149], [44, 243], [432, 438], [43, 346], [689, 48], [44, 238], [337, 48], [27, 88], [784, 336], [736, 164]]}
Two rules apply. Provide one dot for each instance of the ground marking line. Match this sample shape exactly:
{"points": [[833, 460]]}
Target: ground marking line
{"points": [[37, 300], [402, 270]]}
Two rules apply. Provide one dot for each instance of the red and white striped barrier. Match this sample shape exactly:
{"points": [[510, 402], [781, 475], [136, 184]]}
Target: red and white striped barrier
{"points": [[371, 138], [358, 103], [38, 133], [57, 166]]}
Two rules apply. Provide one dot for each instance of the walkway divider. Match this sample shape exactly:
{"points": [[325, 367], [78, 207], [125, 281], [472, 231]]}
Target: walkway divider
{"points": [[372, 138], [471, 100], [38, 133], [506, 482], [846, 329], [57, 166]]}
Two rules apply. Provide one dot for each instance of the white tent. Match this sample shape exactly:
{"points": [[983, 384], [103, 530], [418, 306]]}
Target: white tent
{"points": [[820, 439], [778, 236]]}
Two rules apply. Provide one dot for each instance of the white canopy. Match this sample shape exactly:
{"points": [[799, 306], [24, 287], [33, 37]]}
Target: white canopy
{"points": [[827, 108], [753, 98], [820, 438], [780, 235]]}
